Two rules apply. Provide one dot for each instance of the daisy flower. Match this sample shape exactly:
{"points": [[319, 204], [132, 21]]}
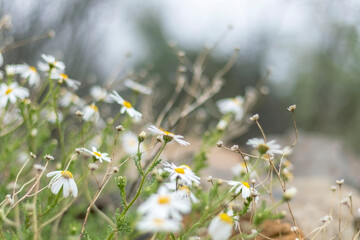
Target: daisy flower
{"points": [[50, 115], [137, 87], [220, 227], [100, 94], [183, 173], [30, 73], [68, 98], [62, 77], [232, 105], [10, 70], [183, 193], [91, 112], [155, 224], [240, 169], [12, 92], [98, 155], [65, 180], [127, 107], [177, 138], [50, 63], [164, 204], [265, 147], [244, 188], [130, 143]]}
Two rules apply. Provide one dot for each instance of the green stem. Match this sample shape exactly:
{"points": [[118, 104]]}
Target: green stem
{"points": [[143, 179]]}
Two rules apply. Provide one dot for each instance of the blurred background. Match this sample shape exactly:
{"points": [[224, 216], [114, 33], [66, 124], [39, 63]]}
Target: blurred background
{"points": [[311, 48]]}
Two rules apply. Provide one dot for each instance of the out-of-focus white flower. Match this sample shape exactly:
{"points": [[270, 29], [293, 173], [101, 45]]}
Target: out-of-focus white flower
{"points": [[11, 93], [50, 62], [130, 143], [222, 124], [265, 147], [100, 94], [155, 224], [177, 138], [10, 70], [30, 73], [127, 107], [240, 169], [62, 77], [220, 227], [91, 112], [98, 155], [183, 193], [50, 115], [68, 98], [137, 87], [63, 179], [183, 173], [244, 188], [164, 204], [232, 105]]}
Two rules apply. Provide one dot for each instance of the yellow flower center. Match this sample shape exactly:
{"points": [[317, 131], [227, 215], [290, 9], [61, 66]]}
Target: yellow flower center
{"points": [[225, 218], [66, 174], [33, 69], [127, 104], [8, 91], [97, 154], [184, 165], [246, 184], [179, 170], [163, 200], [236, 101], [64, 76], [94, 107], [158, 221], [185, 188]]}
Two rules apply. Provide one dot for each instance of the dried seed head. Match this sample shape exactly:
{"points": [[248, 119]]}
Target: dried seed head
{"points": [[115, 169], [333, 188], [219, 143], [79, 113], [39, 168], [209, 179], [236, 207], [253, 181], [49, 157], [326, 218], [294, 229], [255, 117], [340, 182], [78, 150], [32, 155], [9, 199], [247, 158], [159, 138], [235, 148], [93, 166], [292, 108], [119, 128]]}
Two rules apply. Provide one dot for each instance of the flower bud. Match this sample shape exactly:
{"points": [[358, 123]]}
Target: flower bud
{"points": [[119, 128], [49, 157], [142, 136], [289, 193]]}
